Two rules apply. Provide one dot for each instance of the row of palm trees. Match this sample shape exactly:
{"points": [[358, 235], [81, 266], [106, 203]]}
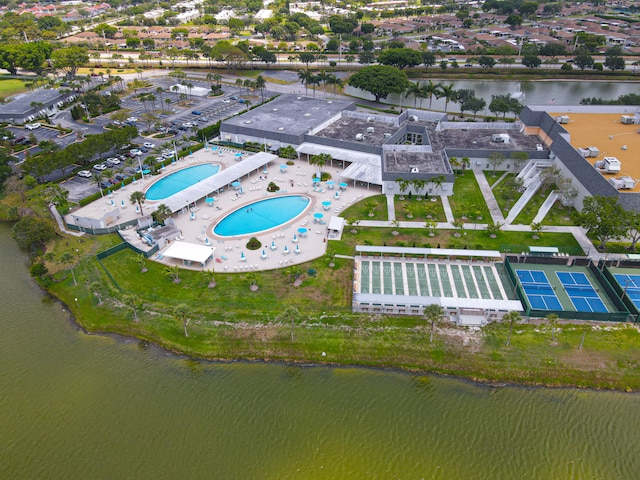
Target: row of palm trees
{"points": [[429, 90], [307, 77]]}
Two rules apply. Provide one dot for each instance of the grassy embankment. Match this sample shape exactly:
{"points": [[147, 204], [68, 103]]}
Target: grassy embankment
{"points": [[230, 322]]}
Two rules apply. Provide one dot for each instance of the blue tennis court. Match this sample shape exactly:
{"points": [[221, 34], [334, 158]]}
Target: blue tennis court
{"points": [[538, 289], [631, 285], [584, 297]]}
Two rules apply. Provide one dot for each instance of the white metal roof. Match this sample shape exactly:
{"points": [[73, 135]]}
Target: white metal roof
{"points": [[340, 154], [363, 173], [221, 179], [445, 302], [336, 223], [190, 252]]}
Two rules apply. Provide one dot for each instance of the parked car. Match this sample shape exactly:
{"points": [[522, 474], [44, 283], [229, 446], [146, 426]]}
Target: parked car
{"points": [[85, 174], [172, 131], [132, 119], [226, 100], [183, 128], [32, 126], [100, 167], [144, 149], [149, 145], [105, 184], [196, 112], [135, 152], [19, 140], [120, 177], [233, 97], [112, 161]]}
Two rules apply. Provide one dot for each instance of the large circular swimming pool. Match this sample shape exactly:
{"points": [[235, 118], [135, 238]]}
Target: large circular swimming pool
{"points": [[262, 215], [178, 181]]}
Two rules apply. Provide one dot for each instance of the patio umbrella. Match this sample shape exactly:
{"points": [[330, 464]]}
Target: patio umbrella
{"points": [[210, 201], [112, 202], [295, 238], [343, 185], [318, 215], [238, 154], [326, 204], [206, 241], [235, 184], [242, 257], [273, 245], [283, 167], [330, 182], [122, 185], [123, 205], [297, 250], [316, 180], [302, 231], [286, 249]]}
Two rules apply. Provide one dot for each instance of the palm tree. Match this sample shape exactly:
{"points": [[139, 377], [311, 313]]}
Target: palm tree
{"points": [[512, 317], [414, 89], [141, 261], [291, 313], [132, 301], [260, 84], [162, 213], [305, 76], [537, 229], [98, 178], [371, 206], [552, 320], [253, 281], [448, 92], [137, 197], [430, 89], [210, 277], [181, 313], [433, 313], [97, 289], [455, 163], [68, 259], [173, 271]]}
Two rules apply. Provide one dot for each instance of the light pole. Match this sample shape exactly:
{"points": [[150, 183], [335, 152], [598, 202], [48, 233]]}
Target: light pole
{"points": [[140, 166]]}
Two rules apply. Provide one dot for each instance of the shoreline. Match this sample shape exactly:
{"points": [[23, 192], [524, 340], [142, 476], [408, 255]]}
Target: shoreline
{"points": [[122, 337]]}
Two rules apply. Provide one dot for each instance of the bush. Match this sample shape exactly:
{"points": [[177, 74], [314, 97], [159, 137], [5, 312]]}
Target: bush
{"points": [[38, 269], [253, 244], [272, 187]]}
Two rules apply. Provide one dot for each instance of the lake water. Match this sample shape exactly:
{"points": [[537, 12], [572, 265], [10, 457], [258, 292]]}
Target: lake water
{"points": [[552, 92], [88, 406]]}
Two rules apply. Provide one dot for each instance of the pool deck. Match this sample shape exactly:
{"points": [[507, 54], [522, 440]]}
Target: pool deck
{"points": [[297, 180]]}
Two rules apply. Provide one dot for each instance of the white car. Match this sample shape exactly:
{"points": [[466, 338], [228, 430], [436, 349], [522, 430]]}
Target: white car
{"points": [[84, 174], [167, 155], [32, 126], [132, 119], [113, 161], [135, 152], [100, 167], [148, 145]]}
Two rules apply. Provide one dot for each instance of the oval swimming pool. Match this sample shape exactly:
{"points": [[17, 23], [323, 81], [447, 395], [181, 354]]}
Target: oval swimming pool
{"points": [[262, 215], [178, 181]]}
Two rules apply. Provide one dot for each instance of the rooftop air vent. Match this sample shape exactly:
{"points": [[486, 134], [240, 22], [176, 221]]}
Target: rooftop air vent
{"points": [[247, 121], [298, 98], [330, 101], [307, 114], [370, 129], [275, 109], [413, 118], [281, 128], [387, 135], [414, 170], [371, 119], [360, 137]]}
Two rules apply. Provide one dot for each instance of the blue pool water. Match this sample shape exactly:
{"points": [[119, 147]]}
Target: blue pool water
{"points": [[178, 181], [262, 215]]}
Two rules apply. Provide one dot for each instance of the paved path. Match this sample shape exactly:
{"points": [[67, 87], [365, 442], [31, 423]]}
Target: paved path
{"points": [[448, 213], [61, 224], [391, 209], [502, 177], [492, 204]]}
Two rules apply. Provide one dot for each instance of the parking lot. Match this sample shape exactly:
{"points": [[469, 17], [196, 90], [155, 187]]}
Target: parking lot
{"points": [[42, 133]]}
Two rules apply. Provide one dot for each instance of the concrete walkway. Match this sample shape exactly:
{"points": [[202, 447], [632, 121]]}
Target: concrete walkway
{"points": [[448, 213], [492, 204], [546, 206], [391, 208], [502, 177], [61, 224]]}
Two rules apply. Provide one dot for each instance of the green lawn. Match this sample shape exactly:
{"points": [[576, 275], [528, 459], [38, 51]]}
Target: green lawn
{"points": [[360, 210], [530, 210], [505, 194], [467, 200], [472, 239], [11, 86], [492, 177], [560, 215], [420, 208]]}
